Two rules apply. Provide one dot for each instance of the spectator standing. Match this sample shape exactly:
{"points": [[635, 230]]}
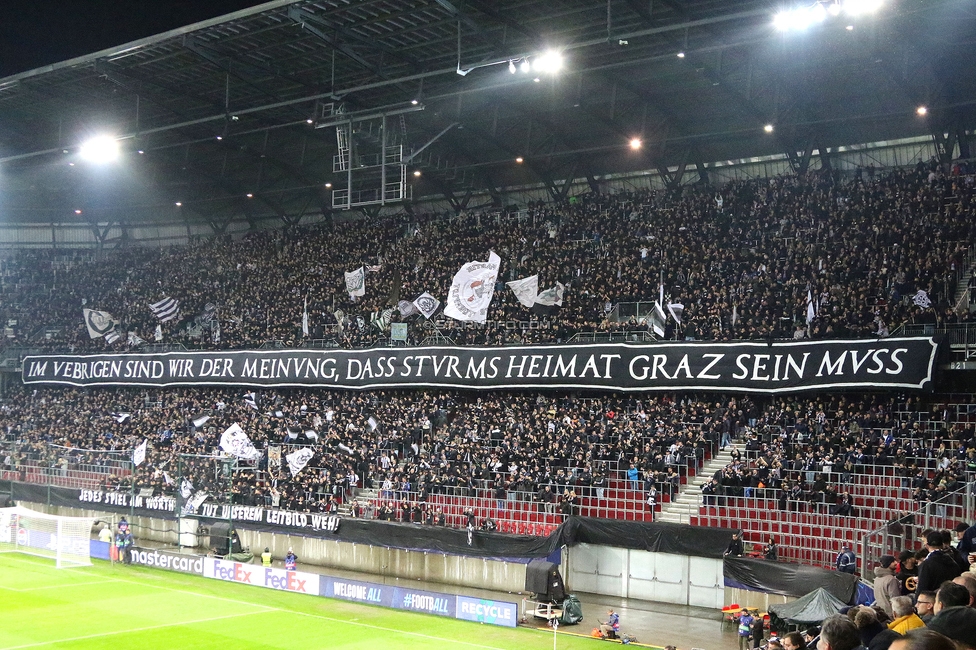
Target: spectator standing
{"points": [[846, 560], [886, 585], [266, 557], [745, 629], [291, 560], [938, 566]]}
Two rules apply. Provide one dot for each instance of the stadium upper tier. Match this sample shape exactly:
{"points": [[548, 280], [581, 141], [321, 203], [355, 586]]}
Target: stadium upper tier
{"points": [[747, 260]]}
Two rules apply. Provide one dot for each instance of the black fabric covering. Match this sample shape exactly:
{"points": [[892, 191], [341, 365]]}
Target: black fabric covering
{"points": [[678, 539], [543, 579], [787, 578], [810, 609], [572, 611]]}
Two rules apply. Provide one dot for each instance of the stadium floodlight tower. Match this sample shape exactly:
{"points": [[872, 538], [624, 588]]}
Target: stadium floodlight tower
{"points": [[204, 492]]}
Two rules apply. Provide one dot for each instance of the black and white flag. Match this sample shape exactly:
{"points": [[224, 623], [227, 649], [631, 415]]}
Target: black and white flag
{"points": [[139, 453], [472, 290], [811, 308], [99, 323], [356, 282], [200, 420], [658, 319], [121, 417], [113, 337], [236, 443], [251, 399], [407, 308], [293, 432], [297, 460], [676, 309], [426, 304], [166, 309], [158, 334], [311, 434], [552, 297], [921, 299], [134, 340]]}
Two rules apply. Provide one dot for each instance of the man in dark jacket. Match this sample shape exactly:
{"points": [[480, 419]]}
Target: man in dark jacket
{"points": [[735, 546], [938, 566]]}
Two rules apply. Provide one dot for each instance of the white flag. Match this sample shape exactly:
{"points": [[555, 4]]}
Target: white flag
{"points": [[297, 460], [305, 318], [99, 323], [426, 304], [186, 488], [356, 282], [113, 337], [525, 290], [676, 309], [166, 309], [311, 434], [139, 453], [735, 314], [158, 334], [921, 299], [472, 290], [135, 340], [236, 443], [121, 417], [251, 399], [811, 312], [200, 420], [553, 296], [373, 423]]}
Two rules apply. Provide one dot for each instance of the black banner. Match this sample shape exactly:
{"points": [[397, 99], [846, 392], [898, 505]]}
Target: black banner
{"points": [[787, 578], [746, 367]]}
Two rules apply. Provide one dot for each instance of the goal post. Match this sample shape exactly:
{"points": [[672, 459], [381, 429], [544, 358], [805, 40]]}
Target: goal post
{"points": [[63, 539]]}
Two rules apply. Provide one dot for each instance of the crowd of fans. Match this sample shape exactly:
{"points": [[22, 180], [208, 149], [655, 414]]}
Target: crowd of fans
{"points": [[742, 259]]}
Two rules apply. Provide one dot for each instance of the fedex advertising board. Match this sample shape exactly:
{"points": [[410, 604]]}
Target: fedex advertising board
{"points": [[270, 577]]}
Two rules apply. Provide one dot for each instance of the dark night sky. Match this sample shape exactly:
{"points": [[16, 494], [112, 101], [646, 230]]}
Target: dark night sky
{"points": [[34, 33]]}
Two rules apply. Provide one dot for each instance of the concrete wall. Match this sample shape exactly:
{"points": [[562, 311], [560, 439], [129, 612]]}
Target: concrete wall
{"points": [[659, 577]]}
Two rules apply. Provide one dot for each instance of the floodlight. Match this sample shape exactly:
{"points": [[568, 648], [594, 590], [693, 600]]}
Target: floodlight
{"points": [[834, 9], [328, 185], [511, 67], [100, 149], [519, 160], [179, 204], [922, 110], [635, 143], [249, 195], [768, 128], [551, 61], [850, 28], [525, 66], [417, 173], [681, 55], [858, 7], [77, 211], [414, 102], [782, 20]]}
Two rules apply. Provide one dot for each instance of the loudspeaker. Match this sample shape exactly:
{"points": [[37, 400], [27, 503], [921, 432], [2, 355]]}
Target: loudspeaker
{"points": [[544, 580]]}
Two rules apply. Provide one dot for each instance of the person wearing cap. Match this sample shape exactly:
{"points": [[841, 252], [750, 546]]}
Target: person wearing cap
{"points": [[266, 557], [957, 623], [939, 565], [846, 560], [886, 585], [907, 573]]}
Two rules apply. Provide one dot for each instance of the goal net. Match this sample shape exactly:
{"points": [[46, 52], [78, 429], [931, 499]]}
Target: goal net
{"points": [[64, 539]]}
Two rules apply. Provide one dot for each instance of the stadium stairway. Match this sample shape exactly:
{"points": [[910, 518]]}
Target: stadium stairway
{"points": [[687, 502]]}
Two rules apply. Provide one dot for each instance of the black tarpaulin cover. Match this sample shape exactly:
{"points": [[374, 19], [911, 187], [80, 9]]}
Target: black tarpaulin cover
{"points": [[810, 609], [678, 539], [787, 578]]}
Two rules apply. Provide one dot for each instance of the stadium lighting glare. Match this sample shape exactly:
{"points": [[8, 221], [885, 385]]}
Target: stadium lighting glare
{"points": [[414, 102], [511, 67], [551, 62], [768, 128], [850, 28], [100, 149], [525, 66], [309, 121], [77, 211], [141, 152], [520, 160], [417, 174], [249, 195], [220, 137], [681, 55], [179, 204], [801, 18], [328, 185], [635, 143], [922, 110]]}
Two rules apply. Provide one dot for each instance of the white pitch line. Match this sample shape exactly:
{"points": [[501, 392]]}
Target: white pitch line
{"points": [[318, 616], [73, 584], [129, 631]]}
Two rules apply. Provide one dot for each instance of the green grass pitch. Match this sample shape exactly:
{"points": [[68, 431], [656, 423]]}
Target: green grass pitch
{"points": [[106, 606]]}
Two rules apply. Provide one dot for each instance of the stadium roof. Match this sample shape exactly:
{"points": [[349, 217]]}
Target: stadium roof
{"points": [[246, 104]]}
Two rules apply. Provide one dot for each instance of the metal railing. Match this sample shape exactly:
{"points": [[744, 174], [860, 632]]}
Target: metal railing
{"points": [[905, 532]]}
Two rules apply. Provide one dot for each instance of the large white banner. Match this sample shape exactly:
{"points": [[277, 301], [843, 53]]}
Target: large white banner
{"points": [[99, 323], [472, 290], [356, 282], [525, 290], [236, 443]]}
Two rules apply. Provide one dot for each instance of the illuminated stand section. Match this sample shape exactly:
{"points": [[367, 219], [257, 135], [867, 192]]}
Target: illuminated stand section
{"points": [[64, 539]]}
